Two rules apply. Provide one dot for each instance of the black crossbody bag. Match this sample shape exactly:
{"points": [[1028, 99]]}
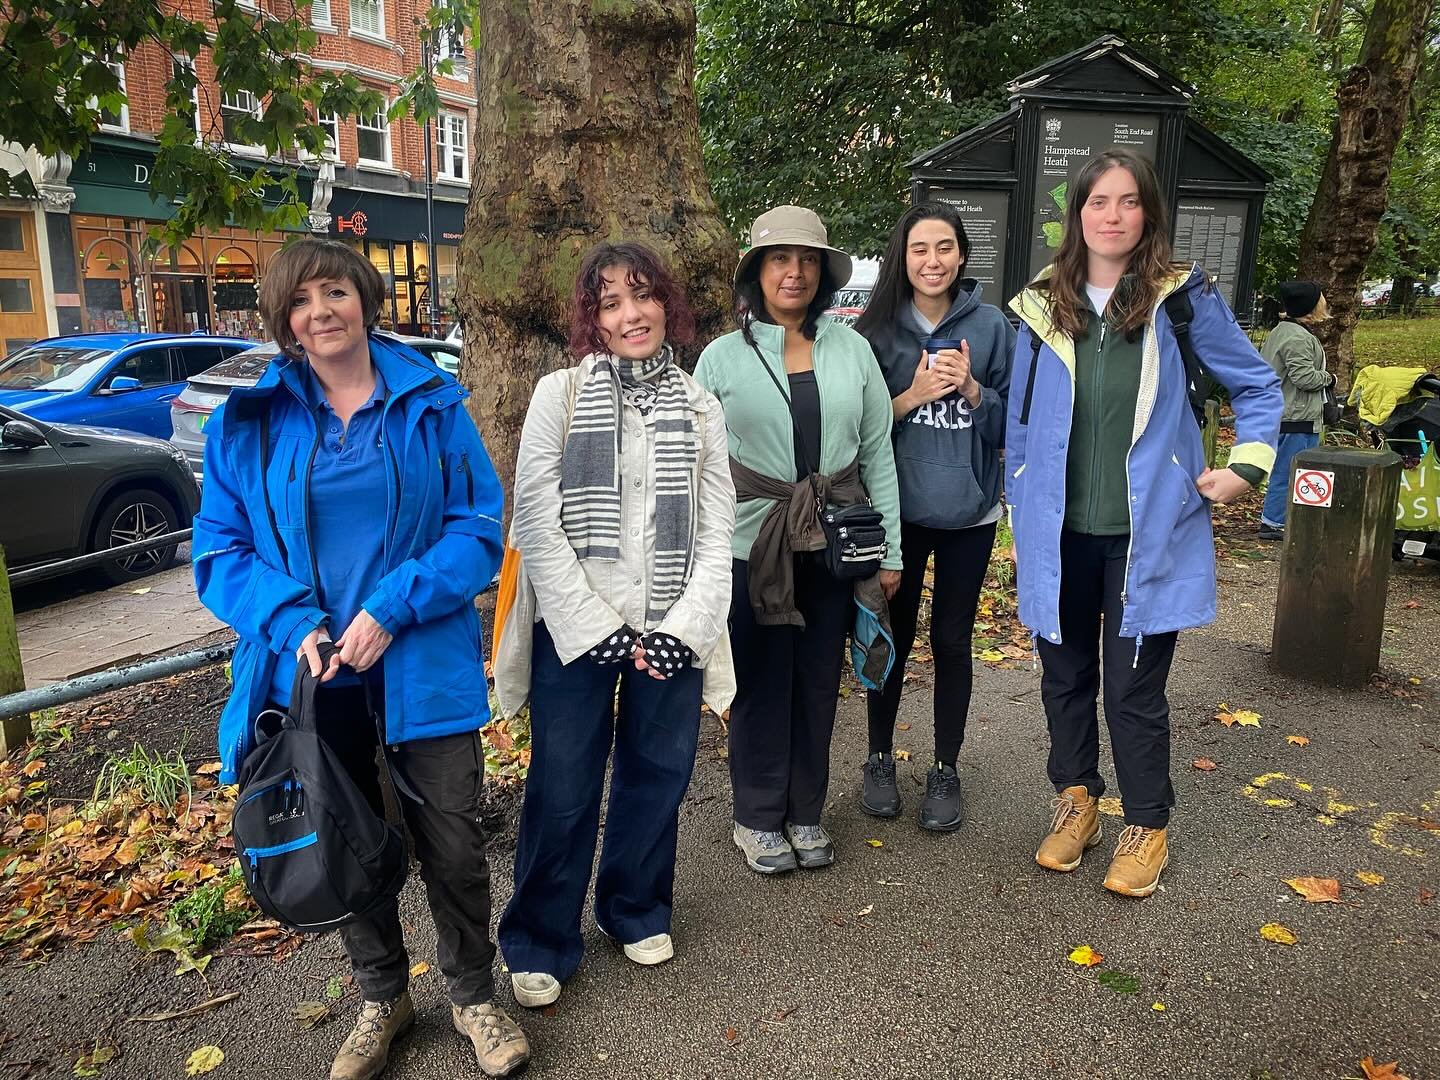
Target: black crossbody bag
{"points": [[855, 540]]}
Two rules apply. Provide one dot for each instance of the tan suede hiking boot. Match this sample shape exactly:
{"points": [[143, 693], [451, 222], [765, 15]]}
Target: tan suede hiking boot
{"points": [[501, 1048], [1075, 827], [1139, 857], [367, 1048]]}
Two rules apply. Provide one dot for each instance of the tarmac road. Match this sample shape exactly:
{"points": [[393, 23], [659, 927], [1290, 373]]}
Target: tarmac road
{"points": [[959, 967]]}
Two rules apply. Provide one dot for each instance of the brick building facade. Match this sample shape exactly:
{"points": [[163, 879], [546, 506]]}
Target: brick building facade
{"points": [[81, 246]]}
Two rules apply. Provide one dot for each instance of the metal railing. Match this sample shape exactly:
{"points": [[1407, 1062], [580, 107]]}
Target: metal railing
{"points": [[72, 690], [46, 571]]}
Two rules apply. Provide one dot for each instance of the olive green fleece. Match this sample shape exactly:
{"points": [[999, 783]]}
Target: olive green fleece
{"points": [[1107, 388]]}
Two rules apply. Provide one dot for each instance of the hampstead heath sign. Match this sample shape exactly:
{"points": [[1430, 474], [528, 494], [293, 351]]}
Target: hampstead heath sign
{"points": [[1010, 177], [1069, 141]]}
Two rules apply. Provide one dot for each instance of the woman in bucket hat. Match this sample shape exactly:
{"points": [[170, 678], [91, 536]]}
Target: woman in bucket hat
{"points": [[791, 369]]}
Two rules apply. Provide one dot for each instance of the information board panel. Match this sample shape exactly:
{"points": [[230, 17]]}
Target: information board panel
{"points": [[1212, 233], [986, 215], [1069, 138]]}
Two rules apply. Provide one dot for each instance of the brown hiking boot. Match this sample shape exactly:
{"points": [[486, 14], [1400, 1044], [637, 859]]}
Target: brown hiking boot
{"points": [[1139, 857], [367, 1048], [1075, 827], [501, 1048]]}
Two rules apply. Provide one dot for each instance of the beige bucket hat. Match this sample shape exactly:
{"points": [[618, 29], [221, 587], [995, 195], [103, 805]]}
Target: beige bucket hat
{"points": [[787, 225]]}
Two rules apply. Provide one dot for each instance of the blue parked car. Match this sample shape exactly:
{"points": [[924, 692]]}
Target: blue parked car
{"points": [[122, 381]]}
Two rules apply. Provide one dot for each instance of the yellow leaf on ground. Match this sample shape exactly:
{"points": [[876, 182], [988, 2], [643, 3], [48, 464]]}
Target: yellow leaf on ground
{"points": [[1246, 718], [1297, 740], [991, 656], [1388, 1071], [1316, 890], [902, 755], [1369, 877], [1281, 935], [902, 726], [875, 843], [1109, 804], [418, 969], [1085, 956], [204, 1060], [1159, 1006]]}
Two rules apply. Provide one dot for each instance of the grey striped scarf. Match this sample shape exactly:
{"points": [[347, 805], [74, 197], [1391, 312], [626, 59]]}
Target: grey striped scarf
{"points": [[590, 472]]}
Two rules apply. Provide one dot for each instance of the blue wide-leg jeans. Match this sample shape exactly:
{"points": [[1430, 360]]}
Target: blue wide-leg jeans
{"points": [[1277, 491], [574, 725]]}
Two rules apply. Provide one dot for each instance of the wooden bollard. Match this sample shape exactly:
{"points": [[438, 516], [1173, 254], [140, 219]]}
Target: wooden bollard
{"points": [[1335, 567], [16, 730]]}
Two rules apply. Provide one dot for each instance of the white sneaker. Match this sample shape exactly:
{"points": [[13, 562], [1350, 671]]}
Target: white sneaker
{"points": [[655, 949], [534, 989]]}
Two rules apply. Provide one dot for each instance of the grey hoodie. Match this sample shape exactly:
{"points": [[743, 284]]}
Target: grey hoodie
{"points": [[947, 454]]}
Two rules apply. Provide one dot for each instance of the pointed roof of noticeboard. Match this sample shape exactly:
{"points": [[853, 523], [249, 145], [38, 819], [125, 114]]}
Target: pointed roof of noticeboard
{"points": [[1109, 65]]}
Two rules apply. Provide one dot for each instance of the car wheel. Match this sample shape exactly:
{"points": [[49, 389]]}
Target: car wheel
{"points": [[127, 518]]}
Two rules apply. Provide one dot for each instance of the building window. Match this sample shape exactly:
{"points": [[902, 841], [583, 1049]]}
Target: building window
{"points": [[450, 47], [184, 69], [368, 17], [235, 107], [454, 147], [372, 133], [115, 121], [320, 13]]}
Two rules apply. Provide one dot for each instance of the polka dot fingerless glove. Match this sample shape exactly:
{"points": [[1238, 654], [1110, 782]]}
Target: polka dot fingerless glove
{"points": [[666, 655], [617, 647]]}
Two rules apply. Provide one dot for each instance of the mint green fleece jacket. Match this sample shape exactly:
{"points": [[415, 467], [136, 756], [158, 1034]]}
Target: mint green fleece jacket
{"points": [[855, 418]]}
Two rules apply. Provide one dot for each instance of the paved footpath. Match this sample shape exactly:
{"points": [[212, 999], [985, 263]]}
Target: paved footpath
{"points": [[937, 956], [112, 627]]}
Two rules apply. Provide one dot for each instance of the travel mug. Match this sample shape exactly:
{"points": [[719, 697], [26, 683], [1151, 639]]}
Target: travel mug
{"points": [[935, 344]]}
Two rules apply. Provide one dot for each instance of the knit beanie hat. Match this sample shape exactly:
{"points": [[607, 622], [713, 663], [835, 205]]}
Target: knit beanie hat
{"points": [[1299, 298]]}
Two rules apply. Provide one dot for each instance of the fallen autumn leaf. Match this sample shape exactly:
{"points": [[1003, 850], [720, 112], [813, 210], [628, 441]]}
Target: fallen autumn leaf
{"points": [[1204, 764], [1316, 890], [875, 843], [1085, 956], [1281, 935], [1297, 740], [204, 1060], [1388, 1071], [1369, 877]]}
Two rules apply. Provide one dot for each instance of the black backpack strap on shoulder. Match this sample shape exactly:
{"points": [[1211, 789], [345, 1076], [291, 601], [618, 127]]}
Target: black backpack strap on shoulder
{"points": [[1182, 314], [1030, 382], [813, 466]]}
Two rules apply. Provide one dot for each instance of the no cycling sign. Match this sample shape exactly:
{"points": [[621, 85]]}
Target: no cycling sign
{"points": [[1313, 487]]}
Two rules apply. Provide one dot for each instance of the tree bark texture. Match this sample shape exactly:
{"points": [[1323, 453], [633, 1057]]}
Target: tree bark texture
{"points": [[588, 132], [1340, 233]]}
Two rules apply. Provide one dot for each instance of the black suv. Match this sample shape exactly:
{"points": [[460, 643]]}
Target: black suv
{"points": [[69, 490]]}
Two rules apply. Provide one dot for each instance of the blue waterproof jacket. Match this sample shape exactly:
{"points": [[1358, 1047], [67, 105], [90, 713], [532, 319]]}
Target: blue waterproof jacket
{"points": [[1170, 567], [255, 566]]}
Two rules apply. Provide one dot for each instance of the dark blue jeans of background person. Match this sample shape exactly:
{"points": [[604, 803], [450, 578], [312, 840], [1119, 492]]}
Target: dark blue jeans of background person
{"points": [[573, 724], [1277, 491]]}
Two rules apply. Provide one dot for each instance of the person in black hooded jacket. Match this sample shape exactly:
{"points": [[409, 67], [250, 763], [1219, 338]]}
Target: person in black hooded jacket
{"points": [[949, 401]]}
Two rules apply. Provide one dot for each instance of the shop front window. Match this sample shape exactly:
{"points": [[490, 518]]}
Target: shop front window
{"points": [[444, 286], [180, 291], [108, 283], [237, 297]]}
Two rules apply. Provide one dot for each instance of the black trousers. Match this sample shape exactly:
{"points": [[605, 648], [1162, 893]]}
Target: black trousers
{"points": [[1092, 576], [787, 684], [447, 773], [961, 558]]}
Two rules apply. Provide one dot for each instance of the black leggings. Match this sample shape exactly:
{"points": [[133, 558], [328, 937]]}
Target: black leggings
{"points": [[961, 558]]}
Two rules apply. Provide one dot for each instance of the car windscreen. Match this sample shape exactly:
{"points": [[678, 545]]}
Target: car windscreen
{"points": [[52, 367]]}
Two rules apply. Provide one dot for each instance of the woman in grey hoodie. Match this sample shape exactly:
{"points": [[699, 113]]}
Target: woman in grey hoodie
{"points": [[946, 360]]}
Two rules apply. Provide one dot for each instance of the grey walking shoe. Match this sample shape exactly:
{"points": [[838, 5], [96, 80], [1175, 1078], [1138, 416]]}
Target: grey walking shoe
{"points": [[501, 1048], [812, 845], [881, 797], [941, 809], [765, 852], [367, 1048]]}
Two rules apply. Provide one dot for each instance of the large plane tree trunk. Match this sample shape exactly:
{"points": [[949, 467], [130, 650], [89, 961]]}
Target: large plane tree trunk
{"points": [[588, 131], [1340, 233]]}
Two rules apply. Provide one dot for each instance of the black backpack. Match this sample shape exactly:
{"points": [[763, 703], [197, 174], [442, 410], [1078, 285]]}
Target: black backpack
{"points": [[313, 853], [1197, 384]]}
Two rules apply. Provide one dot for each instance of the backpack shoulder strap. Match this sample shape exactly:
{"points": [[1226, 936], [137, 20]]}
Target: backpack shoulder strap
{"points": [[1030, 382], [1182, 314]]}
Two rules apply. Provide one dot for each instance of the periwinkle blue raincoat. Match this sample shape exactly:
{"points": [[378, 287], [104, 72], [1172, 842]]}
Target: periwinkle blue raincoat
{"points": [[1170, 568], [254, 565]]}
